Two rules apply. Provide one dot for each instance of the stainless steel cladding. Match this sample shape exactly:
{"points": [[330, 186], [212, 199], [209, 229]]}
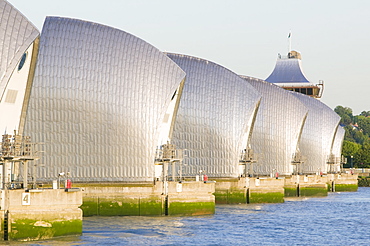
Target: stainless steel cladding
{"points": [[214, 119], [335, 159], [99, 98], [16, 35], [277, 130], [338, 142], [318, 134]]}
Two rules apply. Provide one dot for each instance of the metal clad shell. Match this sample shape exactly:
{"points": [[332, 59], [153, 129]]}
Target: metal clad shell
{"points": [[338, 142], [277, 129], [214, 115], [98, 100], [16, 35], [318, 134]]}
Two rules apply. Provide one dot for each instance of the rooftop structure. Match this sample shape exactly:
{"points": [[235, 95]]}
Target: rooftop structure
{"points": [[289, 75]]}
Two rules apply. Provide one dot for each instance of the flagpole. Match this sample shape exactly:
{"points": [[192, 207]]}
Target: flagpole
{"points": [[290, 41]]}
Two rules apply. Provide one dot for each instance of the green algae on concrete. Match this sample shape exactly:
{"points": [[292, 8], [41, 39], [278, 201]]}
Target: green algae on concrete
{"points": [[330, 186], [121, 206], [221, 196], [191, 208], [290, 191], [2, 228], [27, 230], [143, 206], [268, 197], [313, 191], [346, 187], [232, 196], [151, 207], [118, 207], [237, 196], [90, 206]]}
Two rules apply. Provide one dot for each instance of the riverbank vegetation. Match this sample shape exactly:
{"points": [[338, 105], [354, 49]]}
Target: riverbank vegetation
{"points": [[356, 144]]}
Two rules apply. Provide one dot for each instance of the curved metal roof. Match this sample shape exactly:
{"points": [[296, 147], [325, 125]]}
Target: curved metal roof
{"points": [[214, 119], [16, 35], [287, 70], [98, 100], [277, 129], [318, 134]]}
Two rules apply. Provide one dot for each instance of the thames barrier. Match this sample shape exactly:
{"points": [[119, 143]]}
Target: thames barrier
{"points": [[106, 124]]}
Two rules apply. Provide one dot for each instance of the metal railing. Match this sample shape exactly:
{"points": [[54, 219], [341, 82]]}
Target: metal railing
{"points": [[169, 153], [14, 151], [297, 161], [18, 147]]}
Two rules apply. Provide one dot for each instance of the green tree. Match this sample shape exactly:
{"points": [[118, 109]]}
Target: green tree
{"points": [[348, 134], [345, 113], [356, 139], [365, 113], [350, 148], [362, 157], [345, 120], [363, 123], [359, 137]]}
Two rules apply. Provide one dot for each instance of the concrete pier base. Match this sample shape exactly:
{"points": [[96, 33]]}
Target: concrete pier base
{"points": [[191, 198], [249, 190], [170, 198], [142, 199], [305, 185], [313, 189], [342, 182], [319, 185], [40, 214], [231, 191], [266, 190]]}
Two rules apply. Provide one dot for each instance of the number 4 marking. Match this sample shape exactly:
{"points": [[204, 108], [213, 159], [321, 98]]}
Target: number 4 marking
{"points": [[26, 199]]}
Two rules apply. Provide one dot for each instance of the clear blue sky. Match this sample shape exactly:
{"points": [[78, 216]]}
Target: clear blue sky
{"points": [[245, 36]]}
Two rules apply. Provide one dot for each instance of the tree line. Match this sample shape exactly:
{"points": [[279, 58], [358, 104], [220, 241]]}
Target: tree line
{"points": [[356, 144]]}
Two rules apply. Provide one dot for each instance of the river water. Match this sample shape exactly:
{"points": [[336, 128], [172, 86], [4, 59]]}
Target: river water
{"points": [[338, 219]]}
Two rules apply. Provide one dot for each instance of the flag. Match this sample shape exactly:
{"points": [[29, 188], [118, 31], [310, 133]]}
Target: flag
{"points": [[289, 35]]}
